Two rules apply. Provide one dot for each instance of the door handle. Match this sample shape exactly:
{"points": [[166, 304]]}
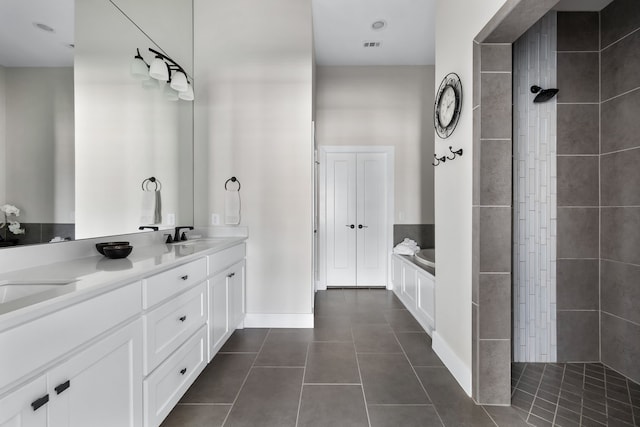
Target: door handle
{"points": [[362, 226], [352, 226]]}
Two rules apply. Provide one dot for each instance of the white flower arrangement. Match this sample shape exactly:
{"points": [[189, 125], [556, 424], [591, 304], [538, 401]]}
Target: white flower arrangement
{"points": [[12, 226]]}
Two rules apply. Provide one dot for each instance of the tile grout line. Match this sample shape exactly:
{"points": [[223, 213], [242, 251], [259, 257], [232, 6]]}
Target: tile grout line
{"points": [[304, 373], [246, 377], [555, 416], [364, 396]]}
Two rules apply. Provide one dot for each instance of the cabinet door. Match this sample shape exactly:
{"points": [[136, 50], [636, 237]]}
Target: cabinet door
{"points": [[426, 298], [396, 267], [236, 295], [218, 311], [26, 407], [101, 385]]}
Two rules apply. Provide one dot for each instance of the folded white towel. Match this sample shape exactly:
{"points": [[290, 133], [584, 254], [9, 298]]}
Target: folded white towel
{"points": [[232, 207], [406, 247]]}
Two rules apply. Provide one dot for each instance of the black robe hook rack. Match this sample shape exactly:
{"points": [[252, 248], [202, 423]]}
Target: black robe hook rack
{"points": [[439, 160]]}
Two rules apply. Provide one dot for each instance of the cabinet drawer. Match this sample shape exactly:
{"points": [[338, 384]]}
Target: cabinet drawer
{"points": [[161, 286], [164, 388], [223, 259], [29, 346], [169, 325]]}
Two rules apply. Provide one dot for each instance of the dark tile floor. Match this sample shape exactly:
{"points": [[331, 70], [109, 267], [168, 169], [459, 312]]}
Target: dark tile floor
{"points": [[574, 394], [366, 363]]}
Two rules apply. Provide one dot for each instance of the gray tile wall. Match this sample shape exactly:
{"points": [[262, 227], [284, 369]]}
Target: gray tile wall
{"points": [[491, 294], [578, 188], [534, 194], [619, 184], [423, 234]]}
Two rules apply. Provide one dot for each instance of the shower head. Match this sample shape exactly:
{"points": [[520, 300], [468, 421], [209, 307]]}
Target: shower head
{"points": [[543, 95]]}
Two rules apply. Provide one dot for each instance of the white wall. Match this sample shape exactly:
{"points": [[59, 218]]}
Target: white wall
{"points": [[457, 23], [253, 72], [384, 105], [3, 121], [40, 143], [124, 133]]}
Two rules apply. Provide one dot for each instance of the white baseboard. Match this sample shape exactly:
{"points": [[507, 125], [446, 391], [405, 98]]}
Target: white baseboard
{"points": [[269, 320], [456, 366]]}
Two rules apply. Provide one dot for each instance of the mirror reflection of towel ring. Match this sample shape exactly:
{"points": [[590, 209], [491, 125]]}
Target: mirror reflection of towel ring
{"points": [[232, 179], [146, 182]]}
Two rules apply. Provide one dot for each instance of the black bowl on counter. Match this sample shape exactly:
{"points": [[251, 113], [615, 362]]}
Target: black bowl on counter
{"points": [[100, 246], [117, 251]]}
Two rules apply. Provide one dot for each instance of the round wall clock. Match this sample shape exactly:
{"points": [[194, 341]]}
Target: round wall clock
{"points": [[446, 111]]}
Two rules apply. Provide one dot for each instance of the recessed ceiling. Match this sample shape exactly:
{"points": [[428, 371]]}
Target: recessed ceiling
{"points": [[22, 44], [341, 28]]}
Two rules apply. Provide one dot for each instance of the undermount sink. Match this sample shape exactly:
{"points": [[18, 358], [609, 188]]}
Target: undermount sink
{"points": [[426, 257], [10, 291]]}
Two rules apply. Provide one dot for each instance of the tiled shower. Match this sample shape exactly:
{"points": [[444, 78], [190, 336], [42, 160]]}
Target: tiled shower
{"points": [[593, 314]]}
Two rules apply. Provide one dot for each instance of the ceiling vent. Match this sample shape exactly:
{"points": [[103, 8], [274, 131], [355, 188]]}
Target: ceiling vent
{"points": [[372, 44]]}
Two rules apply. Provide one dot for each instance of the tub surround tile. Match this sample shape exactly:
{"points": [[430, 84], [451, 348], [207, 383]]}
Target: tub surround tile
{"points": [[578, 31], [620, 124], [423, 234], [618, 19], [578, 181], [577, 129], [620, 290], [620, 65], [577, 284], [578, 336], [620, 178], [578, 77]]}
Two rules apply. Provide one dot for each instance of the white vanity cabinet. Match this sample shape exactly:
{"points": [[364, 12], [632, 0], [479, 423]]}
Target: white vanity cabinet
{"points": [[226, 295], [415, 287], [27, 406]]}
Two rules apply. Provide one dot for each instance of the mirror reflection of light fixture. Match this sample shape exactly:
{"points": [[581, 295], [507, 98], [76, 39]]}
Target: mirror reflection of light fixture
{"points": [[164, 69]]}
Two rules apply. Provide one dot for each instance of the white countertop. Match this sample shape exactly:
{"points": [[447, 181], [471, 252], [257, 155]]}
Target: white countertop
{"points": [[93, 275]]}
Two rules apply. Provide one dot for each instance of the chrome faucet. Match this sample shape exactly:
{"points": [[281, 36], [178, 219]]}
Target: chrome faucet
{"points": [[177, 236]]}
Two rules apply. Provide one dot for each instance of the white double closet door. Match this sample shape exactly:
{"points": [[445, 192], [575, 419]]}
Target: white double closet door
{"points": [[356, 219]]}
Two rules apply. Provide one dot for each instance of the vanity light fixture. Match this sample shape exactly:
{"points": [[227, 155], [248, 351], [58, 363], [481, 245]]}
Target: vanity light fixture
{"points": [[165, 69]]}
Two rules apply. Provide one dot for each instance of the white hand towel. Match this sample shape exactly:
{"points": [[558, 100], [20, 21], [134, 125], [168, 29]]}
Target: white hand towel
{"points": [[232, 207], [151, 208]]}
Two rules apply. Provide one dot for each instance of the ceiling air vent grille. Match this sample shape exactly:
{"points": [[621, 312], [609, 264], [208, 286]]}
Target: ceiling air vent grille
{"points": [[372, 44]]}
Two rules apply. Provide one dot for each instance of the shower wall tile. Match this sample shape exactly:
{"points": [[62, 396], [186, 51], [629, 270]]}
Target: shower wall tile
{"points": [[495, 295], [495, 172], [578, 77], [620, 65], [620, 124], [578, 31], [620, 234], [494, 366], [495, 239], [477, 159], [496, 57], [621, 290], [476, 74], [577, 284], [621, 346], [578, 129], [578, 336], [578, 233], [495, 101], [578, 181], [620, 178], [618, 19]]}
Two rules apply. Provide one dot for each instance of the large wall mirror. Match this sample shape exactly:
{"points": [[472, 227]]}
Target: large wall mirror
{"points": [[78, 134]]}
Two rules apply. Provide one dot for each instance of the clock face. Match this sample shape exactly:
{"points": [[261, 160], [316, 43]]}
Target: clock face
{"points": [[447, 106]]}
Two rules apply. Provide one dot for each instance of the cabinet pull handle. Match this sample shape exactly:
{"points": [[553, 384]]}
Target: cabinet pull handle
{"points": [[231, 275], [183, 371], [183, 318], [36, 404], [185, 277], [62, 387]]}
